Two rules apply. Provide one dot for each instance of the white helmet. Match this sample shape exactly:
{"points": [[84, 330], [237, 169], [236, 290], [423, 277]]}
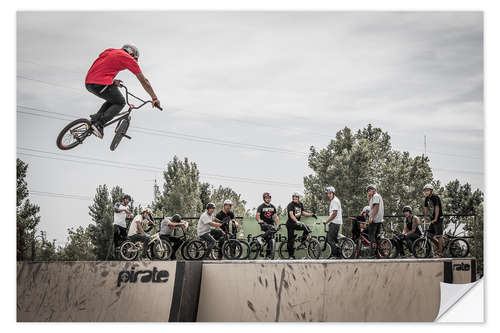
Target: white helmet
{"points": [[330, 189], [428, 187], [147, 210], [296, 194], [371, 187], [228, 202], [366, 209], [132, 50]]}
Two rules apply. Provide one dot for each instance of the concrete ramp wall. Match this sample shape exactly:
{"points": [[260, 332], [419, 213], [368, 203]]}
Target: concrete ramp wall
{"points": [[222, 291]]}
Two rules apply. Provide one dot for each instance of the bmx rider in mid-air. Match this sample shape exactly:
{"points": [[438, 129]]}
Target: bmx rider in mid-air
{"points": [[101, 82]]}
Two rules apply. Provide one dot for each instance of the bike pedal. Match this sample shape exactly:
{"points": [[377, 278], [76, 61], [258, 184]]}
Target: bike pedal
{"points": [[128, 137]]}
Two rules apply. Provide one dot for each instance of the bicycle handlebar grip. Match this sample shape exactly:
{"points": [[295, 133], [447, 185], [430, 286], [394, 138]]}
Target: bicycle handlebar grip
{"points": [[159, 107]]}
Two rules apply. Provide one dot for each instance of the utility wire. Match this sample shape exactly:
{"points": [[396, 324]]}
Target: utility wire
{"points": [[138, 167], [260, 124]]}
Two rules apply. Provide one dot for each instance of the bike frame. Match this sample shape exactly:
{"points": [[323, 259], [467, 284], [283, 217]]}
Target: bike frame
{"points": [[125, 114]]}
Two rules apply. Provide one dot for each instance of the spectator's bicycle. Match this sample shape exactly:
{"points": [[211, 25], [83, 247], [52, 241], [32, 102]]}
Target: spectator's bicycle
{"points": [[363, 246], [259, 245], [182, 248], [426, 246], [231, 249], [346, 245], [78, 130], [157, 248], [305, 247], [397, 237]]}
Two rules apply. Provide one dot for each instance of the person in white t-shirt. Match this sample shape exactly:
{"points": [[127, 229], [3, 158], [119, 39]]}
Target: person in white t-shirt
{"points": [[334, 221], [376, 217], [209, 228], [121, 212], [136, 231]]}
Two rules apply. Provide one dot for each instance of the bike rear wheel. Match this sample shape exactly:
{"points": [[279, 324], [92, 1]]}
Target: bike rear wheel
{"points": [[232, 249], [422, 248], [384, 247], [121, 130], [459, 248], [300, 250], [255, 250], [314, 248], [129, 251], [73, 134]]}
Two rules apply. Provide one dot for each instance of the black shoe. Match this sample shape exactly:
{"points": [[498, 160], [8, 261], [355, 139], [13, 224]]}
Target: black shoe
{"points": [[98, 130], [292, 258]]}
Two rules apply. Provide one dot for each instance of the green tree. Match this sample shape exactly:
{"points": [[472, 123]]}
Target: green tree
{"points": [[101, 212], [27, 217], [205, 193], [351, 161], [79, 245], [181, 189]]}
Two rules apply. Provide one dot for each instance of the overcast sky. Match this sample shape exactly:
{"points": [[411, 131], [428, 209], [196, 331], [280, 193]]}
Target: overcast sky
{"points": [[285, 80]]}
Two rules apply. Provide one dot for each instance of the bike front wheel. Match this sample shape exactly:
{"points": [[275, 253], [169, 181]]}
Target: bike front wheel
{"points": [[162, 250], [129, 251], [73, 134], [120, 131], [422, 248], [195, 250], [347, 248], [459, 248]]}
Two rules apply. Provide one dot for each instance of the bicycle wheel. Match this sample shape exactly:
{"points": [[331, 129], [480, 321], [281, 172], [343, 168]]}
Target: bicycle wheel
{"points": [[183, 250], [255, 249], [384, 248], [313, 249], [128, 251], [195, 250], [326, 250], [421, 248], [347, 248], [73, 134], [283, 251], [245, 249], [394, 249], [120, 130], [162, 250], [232, 249], [459, 248]]}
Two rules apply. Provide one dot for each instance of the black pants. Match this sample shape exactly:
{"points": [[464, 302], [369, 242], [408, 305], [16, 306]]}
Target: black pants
{"points": [[268, 230], [144, 239], [332, 237], [175, 241], [410, 239], [291, 227], [373, 232], [119, 234], [114, 101], [210, 238]]}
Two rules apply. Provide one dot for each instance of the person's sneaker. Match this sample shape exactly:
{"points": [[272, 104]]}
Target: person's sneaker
{"points": [[98, 130]]}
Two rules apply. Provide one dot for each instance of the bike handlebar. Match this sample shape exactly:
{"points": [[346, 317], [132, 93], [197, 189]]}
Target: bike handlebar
{"points": [[140, 99]]}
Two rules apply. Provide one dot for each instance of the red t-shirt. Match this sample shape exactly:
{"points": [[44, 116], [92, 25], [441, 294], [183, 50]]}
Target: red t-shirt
{"points": [[109, 63]]}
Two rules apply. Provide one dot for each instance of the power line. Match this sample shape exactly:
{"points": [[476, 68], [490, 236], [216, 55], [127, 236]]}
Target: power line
{"points": [[148, 168], [181, 136], [256, 123], [60, 195]]}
